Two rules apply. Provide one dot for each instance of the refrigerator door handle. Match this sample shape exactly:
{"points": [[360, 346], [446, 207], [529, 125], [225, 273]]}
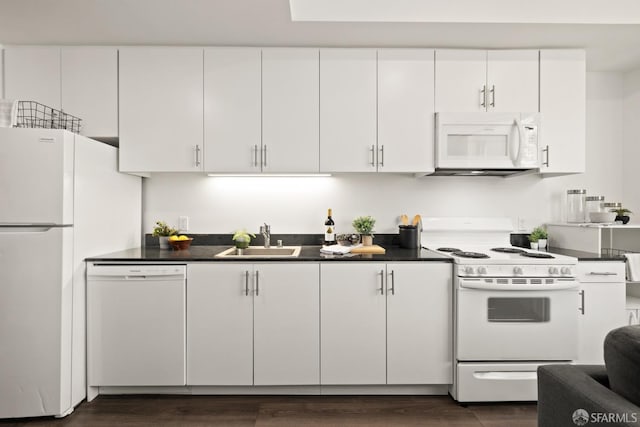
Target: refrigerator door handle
{"points": [[28, 228]]}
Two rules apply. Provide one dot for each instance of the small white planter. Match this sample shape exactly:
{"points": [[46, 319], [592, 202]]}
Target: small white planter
{"points": [[542, 244], [534, 245]]}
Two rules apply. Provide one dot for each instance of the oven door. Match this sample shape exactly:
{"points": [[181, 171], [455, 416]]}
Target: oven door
{"points": [[530, 322]]}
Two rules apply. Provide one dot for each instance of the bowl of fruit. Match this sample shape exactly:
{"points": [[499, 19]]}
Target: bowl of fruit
{"points": [[180, 242]]}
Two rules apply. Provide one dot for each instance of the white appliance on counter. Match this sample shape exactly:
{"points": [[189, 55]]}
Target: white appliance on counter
{"points": [[62, 200], [486, 143], [515, 308]]}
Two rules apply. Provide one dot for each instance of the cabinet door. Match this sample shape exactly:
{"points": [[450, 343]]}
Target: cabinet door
{"points": [[602, 308], [137, 332], [352, 323], [290, 110], [161, 109], [512, 81], [461, 78], [563, 108], [405, 110], [419, 323], [32, 73], [287, 324], [90, 88], [348, 110], [232, 111], [219, 324]]}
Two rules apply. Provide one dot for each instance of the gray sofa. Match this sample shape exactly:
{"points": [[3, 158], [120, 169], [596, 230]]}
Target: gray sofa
{"points": [[609, 395]]}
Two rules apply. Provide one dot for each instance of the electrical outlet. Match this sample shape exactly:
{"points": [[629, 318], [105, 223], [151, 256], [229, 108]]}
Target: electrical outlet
{"points": [[521, 225], [184, 223]]}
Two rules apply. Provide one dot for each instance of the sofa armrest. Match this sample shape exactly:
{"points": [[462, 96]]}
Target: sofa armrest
{"points": [[562, 389]]}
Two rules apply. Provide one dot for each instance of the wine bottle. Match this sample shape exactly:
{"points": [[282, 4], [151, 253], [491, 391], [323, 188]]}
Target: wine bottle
{"points": [[329, 230]]}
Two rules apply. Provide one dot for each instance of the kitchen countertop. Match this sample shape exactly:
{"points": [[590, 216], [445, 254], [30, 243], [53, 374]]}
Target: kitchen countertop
{"points": [[586, 256], [206, 253]]}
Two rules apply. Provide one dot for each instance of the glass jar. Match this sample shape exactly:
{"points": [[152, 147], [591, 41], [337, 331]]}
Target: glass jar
{"points": [[576, 205], [594, 204], [611, 206]]}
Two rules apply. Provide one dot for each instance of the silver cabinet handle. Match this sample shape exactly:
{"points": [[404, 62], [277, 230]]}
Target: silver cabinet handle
{"points": [[197, 155], [483, 96], [264, 156], [381, 288], [257, 283], [382, 155], [246, 283], [581, 309], [493, 95], [255, 156], [604, 273], [392, 289], [373, 155], [546, 150]]}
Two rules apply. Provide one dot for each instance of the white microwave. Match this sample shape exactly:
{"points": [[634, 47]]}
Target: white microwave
{"points": [[486, 143]]}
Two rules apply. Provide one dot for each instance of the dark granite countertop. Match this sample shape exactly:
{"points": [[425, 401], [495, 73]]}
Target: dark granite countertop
{"points": [[586, 256], [206, 253]]}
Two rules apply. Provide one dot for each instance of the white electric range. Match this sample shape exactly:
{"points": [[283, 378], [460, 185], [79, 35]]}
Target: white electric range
{"points": [[514, 308]]}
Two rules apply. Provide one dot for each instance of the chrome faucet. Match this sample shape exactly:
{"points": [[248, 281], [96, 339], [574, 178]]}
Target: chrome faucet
{"points": [[265, 230]]}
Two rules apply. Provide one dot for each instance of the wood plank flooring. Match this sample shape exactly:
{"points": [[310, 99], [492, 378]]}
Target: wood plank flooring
{"points": [[299, 411]]}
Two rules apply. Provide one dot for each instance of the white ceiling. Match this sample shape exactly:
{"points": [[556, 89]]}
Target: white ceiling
{"points": [[268, 23]]}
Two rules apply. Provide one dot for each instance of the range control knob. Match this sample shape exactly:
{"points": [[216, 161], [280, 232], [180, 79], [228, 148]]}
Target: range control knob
{"points": [[482, 270], [565, 271], [553, 270], [469, 270], [517, 271]]}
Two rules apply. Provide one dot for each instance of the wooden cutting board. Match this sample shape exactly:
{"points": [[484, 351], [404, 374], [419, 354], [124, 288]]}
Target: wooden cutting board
{"points": [[373, 249]]}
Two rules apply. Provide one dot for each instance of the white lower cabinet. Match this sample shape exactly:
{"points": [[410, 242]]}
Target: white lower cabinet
{"points": [[601, 307], [253, 324], [386, 323]]}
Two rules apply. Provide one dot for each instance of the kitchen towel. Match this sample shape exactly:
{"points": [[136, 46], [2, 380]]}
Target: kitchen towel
{"points": [[633, 267], [337, 249], [8, 113]]}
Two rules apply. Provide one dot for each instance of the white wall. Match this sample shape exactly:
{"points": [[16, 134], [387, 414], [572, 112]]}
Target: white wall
{"points": [[631, 152], [290, 205]]}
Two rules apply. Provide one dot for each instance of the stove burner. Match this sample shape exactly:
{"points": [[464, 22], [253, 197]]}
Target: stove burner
{"points": [[470, 254], [449, 250], [509, 250], [536, 255]]}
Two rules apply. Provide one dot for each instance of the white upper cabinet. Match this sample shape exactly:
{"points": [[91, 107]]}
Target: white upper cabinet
{"points": [[161, 113], [32, 73], [90, 88], [405, 110], [563, 108], [480, 80], [348, 110], [232, 110], [290, 110]]}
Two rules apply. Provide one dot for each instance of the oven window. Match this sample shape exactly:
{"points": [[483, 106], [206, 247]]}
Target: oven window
{"points": [[524, 310]]}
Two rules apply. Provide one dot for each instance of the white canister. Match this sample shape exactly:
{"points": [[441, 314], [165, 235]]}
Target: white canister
{"points": [[576, 205], [594, 204]]}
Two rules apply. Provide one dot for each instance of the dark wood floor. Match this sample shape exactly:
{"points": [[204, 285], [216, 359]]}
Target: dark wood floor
{"points": [[431, 411]]}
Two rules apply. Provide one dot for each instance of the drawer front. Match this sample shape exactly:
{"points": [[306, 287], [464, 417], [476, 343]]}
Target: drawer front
{"points": [[601, 272], [497, 382]]}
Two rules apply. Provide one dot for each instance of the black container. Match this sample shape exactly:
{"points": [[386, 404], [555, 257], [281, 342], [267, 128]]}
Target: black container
{"points": [[409, 236]]}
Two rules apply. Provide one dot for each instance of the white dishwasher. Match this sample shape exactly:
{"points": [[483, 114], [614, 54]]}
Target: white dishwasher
{"points": [[135, 324]]}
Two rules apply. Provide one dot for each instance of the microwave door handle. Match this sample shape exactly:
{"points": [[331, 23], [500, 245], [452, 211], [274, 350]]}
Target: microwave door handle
{"points": [[515, 156]]}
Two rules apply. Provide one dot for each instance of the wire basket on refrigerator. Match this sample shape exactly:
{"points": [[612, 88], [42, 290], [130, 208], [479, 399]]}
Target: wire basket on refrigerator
{"points": [[32, 114]]}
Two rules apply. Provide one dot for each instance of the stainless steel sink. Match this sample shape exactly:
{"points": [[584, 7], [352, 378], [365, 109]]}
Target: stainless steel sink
{"points": [[261, 252]]}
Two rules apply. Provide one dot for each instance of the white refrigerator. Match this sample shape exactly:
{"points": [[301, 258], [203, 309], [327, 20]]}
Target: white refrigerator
{"points": [[61, 200]]}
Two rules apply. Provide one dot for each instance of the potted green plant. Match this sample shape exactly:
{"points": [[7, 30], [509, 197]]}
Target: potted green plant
{"points": [[163, 231], [242, 238], [364, 226], [621, 214], [538, 238]]}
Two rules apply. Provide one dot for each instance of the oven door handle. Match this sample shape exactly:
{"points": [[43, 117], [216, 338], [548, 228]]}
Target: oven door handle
{"points": [[467, 284]]}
